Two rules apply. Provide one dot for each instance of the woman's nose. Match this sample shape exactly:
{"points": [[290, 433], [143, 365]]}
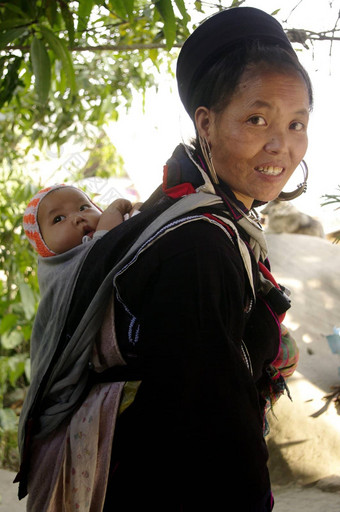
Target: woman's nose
{"points": [[276, 143]]}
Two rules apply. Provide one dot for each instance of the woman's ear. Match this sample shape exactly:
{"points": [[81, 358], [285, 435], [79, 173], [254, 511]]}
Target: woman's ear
{"points": [[203, 122]]}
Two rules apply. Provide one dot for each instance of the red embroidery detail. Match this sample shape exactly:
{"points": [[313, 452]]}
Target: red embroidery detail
{"points": [[268, 275], [180, 190], [228, 228], [183, 189]]}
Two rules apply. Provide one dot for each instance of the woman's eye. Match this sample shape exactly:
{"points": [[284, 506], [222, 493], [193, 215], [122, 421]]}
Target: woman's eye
{"points": [[58, 218], [297, 126], [84, 207], [257, 121]]}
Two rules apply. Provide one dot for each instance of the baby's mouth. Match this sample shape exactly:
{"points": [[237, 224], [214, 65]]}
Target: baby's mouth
{"points": [[89, 233], [269, 170]]}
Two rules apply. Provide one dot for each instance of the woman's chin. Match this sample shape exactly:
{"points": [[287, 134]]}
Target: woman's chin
{"points": [[266, 198]]}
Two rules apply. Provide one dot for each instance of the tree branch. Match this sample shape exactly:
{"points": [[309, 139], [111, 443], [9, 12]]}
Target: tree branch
{"points": [[122, 47], [295, 35], [105, 47]]}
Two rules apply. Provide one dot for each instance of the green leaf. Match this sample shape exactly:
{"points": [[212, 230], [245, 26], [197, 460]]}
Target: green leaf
{"points": [[51, 11], [8, 322], [28, 369], [16, 368], [68, 19], [182, 9], [118, 8], [11, 35], [11, 81], [84, 11], [8, 420], [198, 6], [41, 68], [32, 7], [3, 61], [12, 340], [16, 9], [27, 300], [129, 5], [14, 23], [167, 13], [123, 8], [57, 45]]}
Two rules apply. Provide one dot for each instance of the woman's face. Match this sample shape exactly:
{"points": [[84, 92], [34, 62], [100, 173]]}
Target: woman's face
{"points": [[260, 138]]}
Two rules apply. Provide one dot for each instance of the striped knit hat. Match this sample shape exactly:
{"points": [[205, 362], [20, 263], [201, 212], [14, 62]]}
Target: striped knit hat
{"points": [[31, 226]]}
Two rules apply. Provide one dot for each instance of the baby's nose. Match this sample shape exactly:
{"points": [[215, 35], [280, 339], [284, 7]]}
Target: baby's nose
{"points": [[77, 217]]}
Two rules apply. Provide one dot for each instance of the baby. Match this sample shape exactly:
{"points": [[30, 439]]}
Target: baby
{"points": [[60, 217]]}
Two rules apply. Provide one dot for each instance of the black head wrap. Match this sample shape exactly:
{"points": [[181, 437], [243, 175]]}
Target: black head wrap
{"points": [[220, 33]]}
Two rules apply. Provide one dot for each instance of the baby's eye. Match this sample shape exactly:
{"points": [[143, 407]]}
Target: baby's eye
{"points": [[58, 218], [257, 121], [297, 126], [84, 207]]}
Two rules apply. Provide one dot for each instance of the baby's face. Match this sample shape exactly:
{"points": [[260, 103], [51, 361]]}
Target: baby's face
{"points": [[65, 216]]}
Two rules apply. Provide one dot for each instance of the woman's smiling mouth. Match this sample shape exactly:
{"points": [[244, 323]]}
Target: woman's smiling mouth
{"points": [[270, 170]]}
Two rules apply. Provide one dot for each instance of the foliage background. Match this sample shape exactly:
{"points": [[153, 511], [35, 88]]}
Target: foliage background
{"points": [[65, 67]]}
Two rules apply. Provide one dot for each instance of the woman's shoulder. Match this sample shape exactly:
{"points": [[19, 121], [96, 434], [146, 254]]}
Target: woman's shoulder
{"points": [[195, 256], [197, 240], [197, 232]]}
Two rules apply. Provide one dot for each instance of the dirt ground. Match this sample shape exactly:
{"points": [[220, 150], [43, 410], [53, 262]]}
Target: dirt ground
{"points": [[287, 498], [298, 499], [304, 441]]}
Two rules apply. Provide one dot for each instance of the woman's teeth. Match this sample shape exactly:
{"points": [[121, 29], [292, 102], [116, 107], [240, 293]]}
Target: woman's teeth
{"points": [[272, 171]]}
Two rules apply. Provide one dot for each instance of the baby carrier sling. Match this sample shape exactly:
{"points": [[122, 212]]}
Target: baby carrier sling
{"points": [[97, 277]]}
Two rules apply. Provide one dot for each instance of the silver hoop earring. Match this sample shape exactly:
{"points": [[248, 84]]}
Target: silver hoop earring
{"points": [[301, 188], [208, 158]]}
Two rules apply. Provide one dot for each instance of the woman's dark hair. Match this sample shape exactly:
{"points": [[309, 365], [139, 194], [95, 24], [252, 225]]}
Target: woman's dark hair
{"points": [[217, 85]]}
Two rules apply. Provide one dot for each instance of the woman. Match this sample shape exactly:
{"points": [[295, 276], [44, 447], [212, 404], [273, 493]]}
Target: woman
{"points": [[197, 312], [207, 331]]}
